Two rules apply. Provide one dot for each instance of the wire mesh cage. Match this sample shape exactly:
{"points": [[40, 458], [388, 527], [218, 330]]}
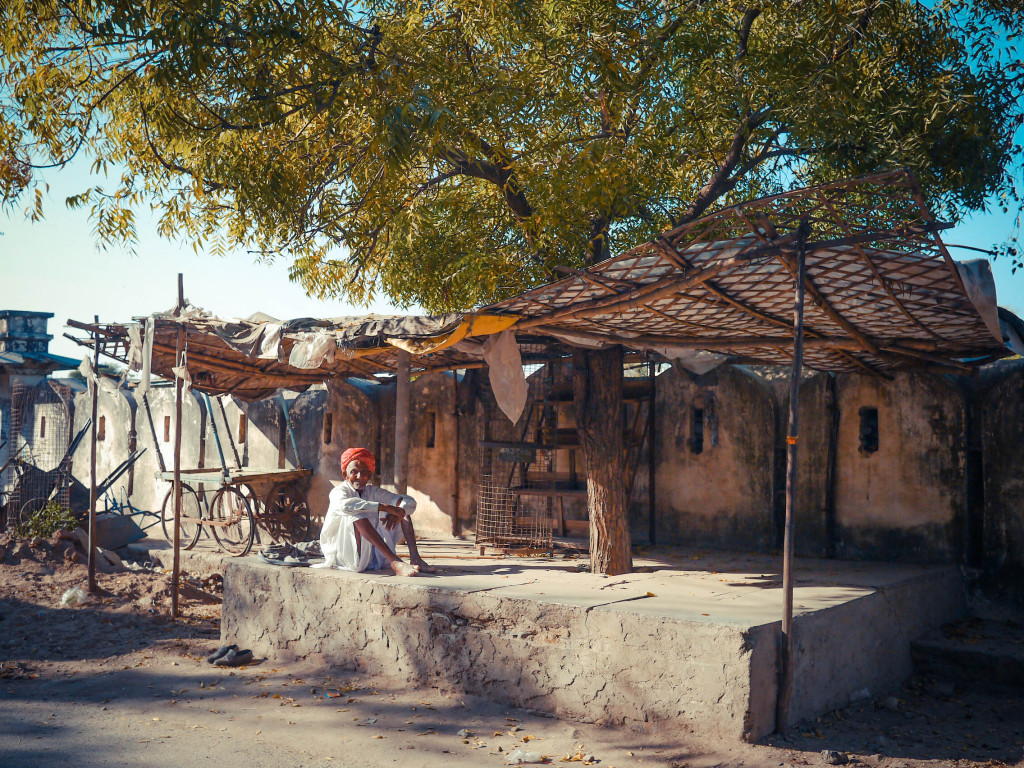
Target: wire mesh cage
{"points": [[533, 479], [514, 506], [38, 469]]}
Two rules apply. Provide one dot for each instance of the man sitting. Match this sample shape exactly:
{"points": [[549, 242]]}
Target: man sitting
{"points": [[363, 522]]}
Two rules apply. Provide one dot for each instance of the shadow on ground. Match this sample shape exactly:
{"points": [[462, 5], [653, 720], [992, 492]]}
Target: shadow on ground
{"points": [[927, 719]]}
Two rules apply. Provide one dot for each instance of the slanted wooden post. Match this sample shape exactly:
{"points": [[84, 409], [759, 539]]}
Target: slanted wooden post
{"points": [[92, 459], [786, 639], [179, 348], [402, 422]]}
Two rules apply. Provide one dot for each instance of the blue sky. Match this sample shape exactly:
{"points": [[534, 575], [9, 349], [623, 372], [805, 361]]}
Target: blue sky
{"points": [[54, 266]]}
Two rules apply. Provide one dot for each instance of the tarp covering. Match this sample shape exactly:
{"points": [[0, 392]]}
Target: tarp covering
{"points": [[252, 358]]}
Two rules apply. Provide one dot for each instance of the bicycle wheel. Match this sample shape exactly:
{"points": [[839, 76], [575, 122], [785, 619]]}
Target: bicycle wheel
{"points": [[234, 526], [191, 514]]}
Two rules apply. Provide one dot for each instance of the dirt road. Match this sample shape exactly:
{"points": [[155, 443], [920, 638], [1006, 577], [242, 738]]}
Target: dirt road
{"points": [[113, 683]]}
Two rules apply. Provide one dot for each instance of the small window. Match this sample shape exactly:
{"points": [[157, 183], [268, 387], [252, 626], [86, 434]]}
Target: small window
{"points": [[42, 426], [431, 428], [101, 429], [328, 428], [167, 429], [868, 430], [696, 430], [243, 426]]}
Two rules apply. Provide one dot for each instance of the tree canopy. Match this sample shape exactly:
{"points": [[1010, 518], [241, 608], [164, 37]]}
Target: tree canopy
{"points": [[448, 153]]}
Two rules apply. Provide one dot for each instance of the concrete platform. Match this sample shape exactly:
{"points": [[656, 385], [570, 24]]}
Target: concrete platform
{"points": [[690, 640]]}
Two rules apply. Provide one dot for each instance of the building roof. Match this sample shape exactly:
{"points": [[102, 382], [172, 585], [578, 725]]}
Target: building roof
{"points": [[253, 358], [882, 294], [35, 362], [882, 291]]}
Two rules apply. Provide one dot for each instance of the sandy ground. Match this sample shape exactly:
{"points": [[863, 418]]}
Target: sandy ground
{"points": [[113, 682]]}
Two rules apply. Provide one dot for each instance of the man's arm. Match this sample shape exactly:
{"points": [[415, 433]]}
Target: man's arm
{"points": [[345, 501], [382, 496]]}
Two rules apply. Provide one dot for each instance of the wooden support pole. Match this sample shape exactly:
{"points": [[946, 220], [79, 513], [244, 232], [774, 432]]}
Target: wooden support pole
{"points": [[786, 640], [651, 455], [402, 422], [178, 383], [92, 461], [457, 480]]}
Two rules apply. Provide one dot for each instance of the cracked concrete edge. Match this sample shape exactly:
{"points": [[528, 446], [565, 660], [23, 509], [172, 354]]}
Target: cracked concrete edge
{"points": [[594, 666]]}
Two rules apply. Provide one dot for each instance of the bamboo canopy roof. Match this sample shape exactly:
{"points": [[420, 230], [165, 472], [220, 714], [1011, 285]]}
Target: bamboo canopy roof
{"points": [[253, 358], [883, 292]]}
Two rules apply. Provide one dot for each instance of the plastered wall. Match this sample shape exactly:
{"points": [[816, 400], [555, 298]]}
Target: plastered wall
{"points": [[433, 469], [905, 499], [1000, 410], [715, 453]]}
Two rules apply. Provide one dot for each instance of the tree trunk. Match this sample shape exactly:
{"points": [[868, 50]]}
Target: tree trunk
{"points": [[597, 385]]}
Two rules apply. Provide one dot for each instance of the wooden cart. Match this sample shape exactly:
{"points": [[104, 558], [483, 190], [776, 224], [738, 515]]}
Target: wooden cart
{"points": [[232, 503]]}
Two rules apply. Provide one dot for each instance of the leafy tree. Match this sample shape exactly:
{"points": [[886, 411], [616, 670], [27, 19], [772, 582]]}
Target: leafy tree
{"points": [[450, 153]]}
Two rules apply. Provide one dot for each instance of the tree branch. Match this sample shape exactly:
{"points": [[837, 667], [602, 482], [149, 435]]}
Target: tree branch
{"points": [[857, 33], [723, 179], [744, 32]]}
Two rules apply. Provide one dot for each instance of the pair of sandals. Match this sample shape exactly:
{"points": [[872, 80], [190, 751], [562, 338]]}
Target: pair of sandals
{"points": [[230, 656], [285, 554]]}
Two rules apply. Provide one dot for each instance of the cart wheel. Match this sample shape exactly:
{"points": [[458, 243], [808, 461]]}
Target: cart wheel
{"points": [[191, 514], [287, 516], [231, 506]]}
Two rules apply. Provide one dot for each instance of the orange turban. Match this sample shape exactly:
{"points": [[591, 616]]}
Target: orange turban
{"points": [[358, 454]]}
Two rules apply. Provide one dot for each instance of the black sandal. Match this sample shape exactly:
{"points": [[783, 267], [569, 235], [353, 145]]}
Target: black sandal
{"points": [[234, 658], [221, 652]]}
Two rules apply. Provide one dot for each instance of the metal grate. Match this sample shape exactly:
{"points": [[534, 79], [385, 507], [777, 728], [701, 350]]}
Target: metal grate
{"points": [[512, 458], [39, 468]]}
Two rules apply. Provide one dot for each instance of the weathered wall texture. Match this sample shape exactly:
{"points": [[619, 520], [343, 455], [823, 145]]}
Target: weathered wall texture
{"points": [[904, 500], [149, 491], [432, 461], [865, 643], [566, 659], [813, 523], [722, 495], [1001, 412], [263, 432], [115, 422], [307, 412]]}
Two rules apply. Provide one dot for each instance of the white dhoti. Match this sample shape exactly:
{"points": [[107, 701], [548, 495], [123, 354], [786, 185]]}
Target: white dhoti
{"points": [[340, 545]]}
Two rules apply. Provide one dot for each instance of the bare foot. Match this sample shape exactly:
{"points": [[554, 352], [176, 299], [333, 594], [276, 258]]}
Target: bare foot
{"points": [[424, 567], [402, 568]]}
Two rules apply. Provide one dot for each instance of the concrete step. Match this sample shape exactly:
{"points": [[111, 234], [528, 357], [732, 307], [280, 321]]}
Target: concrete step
{"points": [[978, 653]]}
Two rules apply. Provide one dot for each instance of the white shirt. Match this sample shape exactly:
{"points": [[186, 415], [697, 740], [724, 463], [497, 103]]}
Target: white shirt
{"points": [[338, 536]]}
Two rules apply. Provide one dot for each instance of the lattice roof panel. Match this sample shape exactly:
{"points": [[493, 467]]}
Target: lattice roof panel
{"points": [[882, 291]]}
